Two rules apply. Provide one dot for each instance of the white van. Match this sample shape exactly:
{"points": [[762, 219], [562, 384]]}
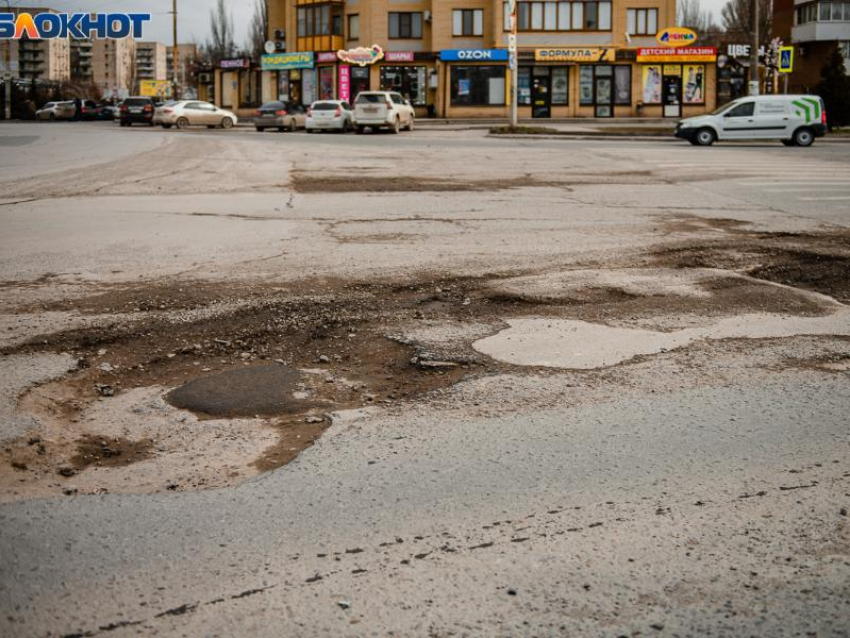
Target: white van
{"points": [[796, 120]]}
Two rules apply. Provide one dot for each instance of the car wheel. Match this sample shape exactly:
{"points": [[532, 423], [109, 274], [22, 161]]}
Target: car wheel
{"points": [[803, 137], [227, 123], [346, 126], [361, 130], [788, 143], [261, 129], [396, 126], [705, 137], [411, 124], [182, 123]]}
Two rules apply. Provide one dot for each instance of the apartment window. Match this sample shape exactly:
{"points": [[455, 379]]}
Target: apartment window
{"points": [[642, 21], [354, 27], [533, 15], [478, 85], [320, 19], [406, 26], [468, 22]]}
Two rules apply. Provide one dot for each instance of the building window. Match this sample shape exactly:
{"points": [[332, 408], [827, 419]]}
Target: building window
{"points": [[407, 80], [642, 21], [468, 22], [823, 12], [320, 19], [354, 27], [406, 26], [595, 88], [533, 15], [478, 85]]}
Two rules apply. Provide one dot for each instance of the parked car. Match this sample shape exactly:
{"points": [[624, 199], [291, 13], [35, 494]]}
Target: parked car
{"points": [[56, 111], [187, 113], [108, 112], [90, 110], [137, 110], [284, 116], [383, 109], [796, 120], [330, 115]]}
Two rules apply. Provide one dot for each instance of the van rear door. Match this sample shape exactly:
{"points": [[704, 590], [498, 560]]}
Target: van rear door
{"points": [[772, 119]]}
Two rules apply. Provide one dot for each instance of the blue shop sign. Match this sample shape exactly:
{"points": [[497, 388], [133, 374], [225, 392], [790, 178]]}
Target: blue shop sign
{"points": [[474, 55], [283, 61]]}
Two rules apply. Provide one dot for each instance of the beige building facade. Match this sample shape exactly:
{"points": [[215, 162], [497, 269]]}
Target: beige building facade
{"points": [[113, 66], [151, 61], [41, 60], [450, 57]]}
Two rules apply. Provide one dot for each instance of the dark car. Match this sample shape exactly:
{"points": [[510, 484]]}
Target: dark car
{"points": [[137, 110], [284, 116], [90, 110]]}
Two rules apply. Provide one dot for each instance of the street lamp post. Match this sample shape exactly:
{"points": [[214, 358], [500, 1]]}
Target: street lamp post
{"points": [[513, 65], [754, 51], [175, 56]]}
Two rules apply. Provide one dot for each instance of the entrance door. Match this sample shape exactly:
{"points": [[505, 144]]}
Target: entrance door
{"points": [[604, 87], [672, 95], [359, 81], [541, 92]]}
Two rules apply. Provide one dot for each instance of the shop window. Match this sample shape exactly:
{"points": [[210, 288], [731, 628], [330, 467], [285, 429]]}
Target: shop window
{"points": [[524, 86], [623, 85], [592, 93], [694, 83], [478, 85], [409, 81], [586, 86], [642, 21], [560, 86], [406, 26], [533, 15], [320, 19], [468, 22], [354, 27]]}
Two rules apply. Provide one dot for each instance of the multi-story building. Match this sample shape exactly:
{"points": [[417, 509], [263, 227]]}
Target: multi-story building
{"points": [[815, 28], [40, 60], [81, 60], [151, 61], [579, 58], [113, 66], [188, 60]]}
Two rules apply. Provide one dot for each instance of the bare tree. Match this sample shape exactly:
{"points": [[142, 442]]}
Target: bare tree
{"points": [[258, 32], [221, 44], [692, 16], [738, 22]]}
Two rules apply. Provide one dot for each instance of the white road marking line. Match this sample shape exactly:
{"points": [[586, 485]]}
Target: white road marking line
{"points": [[824, 199]]}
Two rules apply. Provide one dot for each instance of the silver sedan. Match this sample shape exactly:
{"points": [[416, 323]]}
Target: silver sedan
{"points": [[193, 113]]}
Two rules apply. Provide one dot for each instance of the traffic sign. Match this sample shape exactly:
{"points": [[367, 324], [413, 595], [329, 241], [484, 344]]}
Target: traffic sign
{"points": [[786, 59]]}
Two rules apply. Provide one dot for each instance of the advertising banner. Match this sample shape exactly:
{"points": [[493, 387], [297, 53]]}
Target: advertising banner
{"points": [[283, 61], [652, 84], [694, 83], [155, 88], [474, 55], [345, 83], [361, 56], [575, 54], [682, 54], [398, 56]]}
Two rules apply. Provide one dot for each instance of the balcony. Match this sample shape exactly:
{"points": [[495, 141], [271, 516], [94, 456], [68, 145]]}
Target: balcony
{"points": [[821, 32]]}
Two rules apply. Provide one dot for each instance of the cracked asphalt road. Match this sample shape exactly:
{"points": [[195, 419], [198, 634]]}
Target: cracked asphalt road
{"points": [[695, 487]]}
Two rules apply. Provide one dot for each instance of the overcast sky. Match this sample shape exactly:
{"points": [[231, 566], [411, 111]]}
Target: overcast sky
{"points": [[194, 15]]}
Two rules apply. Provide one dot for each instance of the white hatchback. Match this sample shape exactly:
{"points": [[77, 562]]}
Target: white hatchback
{"points": [[383, 109], [330, 115]]}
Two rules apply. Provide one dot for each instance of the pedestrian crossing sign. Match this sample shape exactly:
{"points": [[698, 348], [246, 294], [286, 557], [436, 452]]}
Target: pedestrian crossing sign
{"points": [[786, 59]]}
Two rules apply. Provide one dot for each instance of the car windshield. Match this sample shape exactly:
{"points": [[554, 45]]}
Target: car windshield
{"points": [[371, 98], [325, 106], [720, 109]]}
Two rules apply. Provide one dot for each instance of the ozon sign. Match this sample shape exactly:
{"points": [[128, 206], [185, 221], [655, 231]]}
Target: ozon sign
{"points": [[474, 55]]}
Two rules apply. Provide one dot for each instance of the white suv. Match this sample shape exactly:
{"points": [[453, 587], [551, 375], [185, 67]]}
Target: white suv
{"points": [[377, 109]]}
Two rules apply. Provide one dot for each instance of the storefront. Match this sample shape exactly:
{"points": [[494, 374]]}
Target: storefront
{"points": [[477, 81], [733, 71], [238, 85], [677, 82], [291, 76]]}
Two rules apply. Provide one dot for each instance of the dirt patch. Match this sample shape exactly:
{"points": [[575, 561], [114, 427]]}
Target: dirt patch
{"points": [[303, 183], [816, 262], [99, 451]]}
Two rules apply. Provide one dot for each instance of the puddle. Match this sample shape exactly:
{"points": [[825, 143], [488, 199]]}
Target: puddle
{"points": [[262, 390], [565, 343]]}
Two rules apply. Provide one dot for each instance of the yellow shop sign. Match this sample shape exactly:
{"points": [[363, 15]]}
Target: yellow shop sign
{"points": [[575, 54], [676, 37]]}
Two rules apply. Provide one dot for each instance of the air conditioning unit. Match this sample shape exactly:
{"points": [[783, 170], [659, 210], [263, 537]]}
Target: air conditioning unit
{"points": [[205, 78], [427, 16], [280, 46]]}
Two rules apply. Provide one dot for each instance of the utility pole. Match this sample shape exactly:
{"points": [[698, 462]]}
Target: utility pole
{"points": [[754, 51], [7, 69], [513, 64], [175, 56]]}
